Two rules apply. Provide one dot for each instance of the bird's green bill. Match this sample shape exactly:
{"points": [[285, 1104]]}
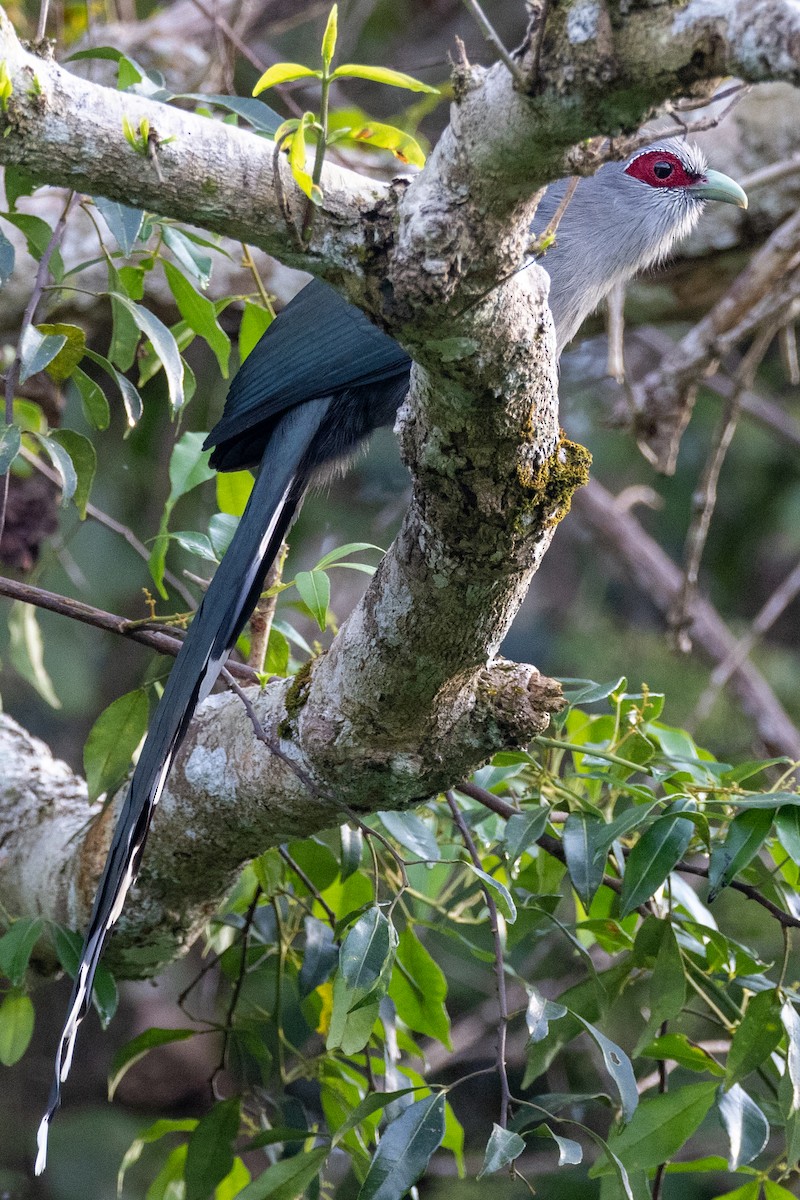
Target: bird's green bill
{"points": [[716, 186]]}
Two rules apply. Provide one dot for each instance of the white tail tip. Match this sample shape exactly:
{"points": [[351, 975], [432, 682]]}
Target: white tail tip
{"points": [[41, 1142]]}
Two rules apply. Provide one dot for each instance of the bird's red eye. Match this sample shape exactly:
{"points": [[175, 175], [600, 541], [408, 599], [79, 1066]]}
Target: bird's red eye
{"points": [[658, 168]]}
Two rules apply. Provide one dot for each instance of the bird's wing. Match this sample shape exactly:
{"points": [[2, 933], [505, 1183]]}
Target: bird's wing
{"points": [[217, 623], [319, 345]]}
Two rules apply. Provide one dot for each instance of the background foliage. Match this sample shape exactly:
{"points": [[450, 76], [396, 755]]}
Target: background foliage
{"points": [[615, 907]]}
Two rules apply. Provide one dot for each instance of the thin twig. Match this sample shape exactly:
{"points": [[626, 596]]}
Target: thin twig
{"points": [[541, 22], [41, 27], [97, 617], [313, 890], [494, 40], [237, 987], [499, 966], [264, 613], [771, 174], [705, 498]]}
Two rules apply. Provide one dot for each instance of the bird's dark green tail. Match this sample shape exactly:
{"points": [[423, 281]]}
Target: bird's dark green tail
{"points": [[227, 604]]}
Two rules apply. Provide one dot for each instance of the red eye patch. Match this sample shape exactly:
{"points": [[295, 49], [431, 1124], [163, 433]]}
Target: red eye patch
{"points": [[660, 168]]}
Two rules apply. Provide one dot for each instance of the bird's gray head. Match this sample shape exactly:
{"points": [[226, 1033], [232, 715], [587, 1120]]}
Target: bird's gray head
{"points": [[622, 220]]}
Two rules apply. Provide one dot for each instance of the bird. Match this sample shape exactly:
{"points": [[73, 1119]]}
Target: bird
{"points": [[320, 380]]}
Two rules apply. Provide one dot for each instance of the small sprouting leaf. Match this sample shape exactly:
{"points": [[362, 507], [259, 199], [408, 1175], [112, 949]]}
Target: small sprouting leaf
{"points": [[405, 1150], [539, 1013], [124, 222], [135, 1049], [758, 1034], [410, 831], [652, 858], [745, 1124], [200, 315], [36, 350], [329, 37], [10, 441], [618, 1066], [297, 160], [26, 652], [209, 1155], [112, 742], [16, 1027], [500, 893], [585, 849], [383, 75], [502, 1148], [284, 73], [744, 839], [387, 137], [315, 592], [16, 946]]}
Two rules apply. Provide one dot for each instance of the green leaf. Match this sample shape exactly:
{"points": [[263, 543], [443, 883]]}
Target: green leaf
{"points": [[660, 1126], [7, 255], [758, 1034], [16, 947], [386, 137], [352, 1018], [130, 397], [93, 399], [652, 858], [523, 831], [36, 350], [163, 343], [284, 73], [26, 651], [334, 556], [791, 1023], [137, 1047], [383, 75], [677, 1048], [585, 850], [503, 1147], [499, 892], [774, 1191], [539, 1013], [256, 112], [329, 37], [209, 1155], [315, 592], [188, 468], [84, 462], [748, 1191], [10, 441], [745, 1124], [16, 1027], [419, 989], [405, 1150], [153, 1133], [63, 464], [320, 956], [277, 660], [744, 839], [196, 543], [256, 320], [351, 841], [18, 182], [68, 946], [410, 831], [287, 1179], [297, 160], [68, 357], [37, 234], [124, 222], [373, 1102], [618, 1066], [221, 529], [200, 315], [570, 1152], [367, 952], [787, 827], [189, 255], [112, 742], [233, 491]]}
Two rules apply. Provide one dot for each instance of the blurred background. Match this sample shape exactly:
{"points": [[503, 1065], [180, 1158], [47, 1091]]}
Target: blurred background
{"points": [[591, 613]]}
